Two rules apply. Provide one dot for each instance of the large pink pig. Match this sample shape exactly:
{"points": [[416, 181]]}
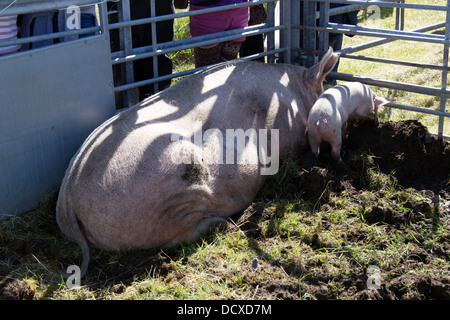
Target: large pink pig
{"points": [[161, 173]]}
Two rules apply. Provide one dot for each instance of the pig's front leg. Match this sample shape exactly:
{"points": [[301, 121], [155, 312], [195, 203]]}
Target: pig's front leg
{"points": [[336, 151], [314, 143], [336, 144]]}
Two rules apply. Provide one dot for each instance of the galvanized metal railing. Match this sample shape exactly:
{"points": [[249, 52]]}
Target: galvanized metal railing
{"points": [[319, 27], [284, 26], [287, 20], [129, 54]]}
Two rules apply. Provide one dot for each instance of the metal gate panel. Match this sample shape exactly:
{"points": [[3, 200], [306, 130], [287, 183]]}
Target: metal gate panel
{"points": [[51, 99]]}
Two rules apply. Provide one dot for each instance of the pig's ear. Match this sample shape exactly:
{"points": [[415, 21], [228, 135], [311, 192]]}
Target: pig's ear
{"points": [[320, 70], [378, 102]]}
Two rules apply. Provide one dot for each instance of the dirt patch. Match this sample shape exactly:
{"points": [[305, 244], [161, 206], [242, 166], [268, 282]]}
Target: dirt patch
{"points": [[334, 253], [426, 285], [410, 159], [14, 289], [406, 149]]}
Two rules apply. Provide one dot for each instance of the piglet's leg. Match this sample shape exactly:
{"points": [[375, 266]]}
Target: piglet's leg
{"points": [[336, 148], [336, 153], [314, 144]]}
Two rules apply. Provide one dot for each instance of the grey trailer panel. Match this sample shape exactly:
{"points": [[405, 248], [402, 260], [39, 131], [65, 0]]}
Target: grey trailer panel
{"points": [[51, 99]]}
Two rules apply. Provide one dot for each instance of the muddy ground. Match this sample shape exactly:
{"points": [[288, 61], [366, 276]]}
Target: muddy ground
{"points": [[416, 161], [404, 151]]}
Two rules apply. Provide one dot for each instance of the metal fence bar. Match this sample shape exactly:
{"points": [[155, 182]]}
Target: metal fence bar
{"points": [[362, 31], [50, 36], [391, 84], [387, 3], [388, 36], [324, 19], [271, 35], [126, 44], [444, 73], [191, 71], [178, 45], [400, 18], [154, 44], [188, 13], [309, 35], [417, 109], [384, 41], [395, 62], [295, 34], [103, 15], [341, 10], [287, 36]]}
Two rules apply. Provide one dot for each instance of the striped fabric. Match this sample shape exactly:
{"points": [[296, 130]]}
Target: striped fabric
{"points": [[8, 31]]}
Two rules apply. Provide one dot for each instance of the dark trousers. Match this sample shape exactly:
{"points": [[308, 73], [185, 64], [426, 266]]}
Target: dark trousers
{"points": [[252, 45], [142, 36]]}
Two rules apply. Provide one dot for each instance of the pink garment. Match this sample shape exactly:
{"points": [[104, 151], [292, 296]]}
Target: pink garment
{"points": [[218, 21], [8, 31]]}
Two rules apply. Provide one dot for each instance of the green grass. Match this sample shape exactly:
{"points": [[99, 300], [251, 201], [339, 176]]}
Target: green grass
{"points": [[295, 247], [182, 60]]}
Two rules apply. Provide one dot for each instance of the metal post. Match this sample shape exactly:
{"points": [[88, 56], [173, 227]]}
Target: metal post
{"points": [[126, 44], [103, 13], [154, 45], [286, 16], [323, 22], [444, 72], [271, 35], [400, 17], [309, 36], [295, 20]]}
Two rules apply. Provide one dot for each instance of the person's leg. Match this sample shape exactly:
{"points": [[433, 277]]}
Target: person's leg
{"points": [[204, 24], [205, 56], [142, 36], [217, 22], [230, 50], [235, 19], [252, 45], [114, 41], [164, 33]]}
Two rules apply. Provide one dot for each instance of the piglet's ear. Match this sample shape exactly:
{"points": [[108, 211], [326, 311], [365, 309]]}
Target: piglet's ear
{"points": [[378, 102]]}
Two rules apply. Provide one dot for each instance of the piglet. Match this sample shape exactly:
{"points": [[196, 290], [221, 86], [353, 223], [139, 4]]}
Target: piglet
{"points": [[329, 115]]}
